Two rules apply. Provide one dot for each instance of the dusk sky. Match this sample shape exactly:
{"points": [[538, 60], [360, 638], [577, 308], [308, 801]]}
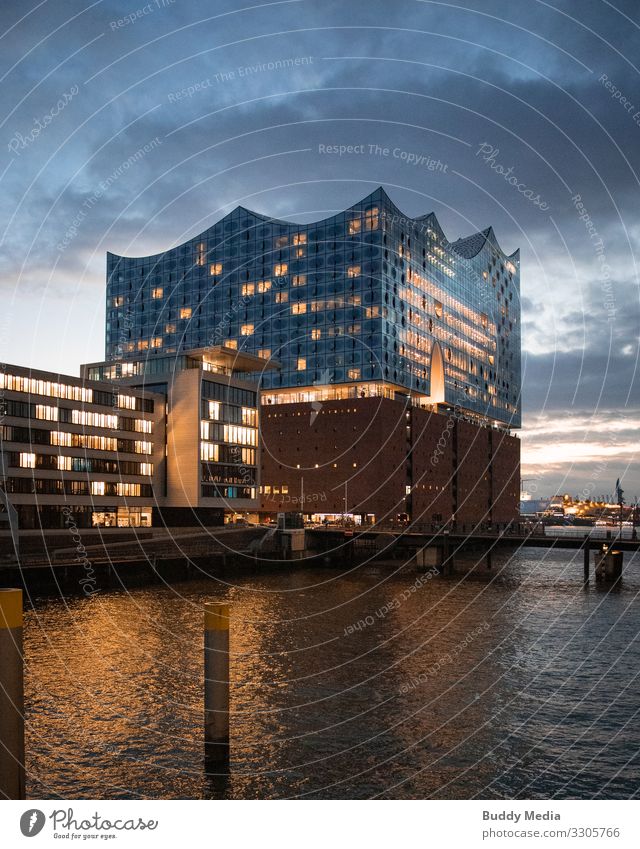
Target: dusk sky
{"points": [[224, 103]]}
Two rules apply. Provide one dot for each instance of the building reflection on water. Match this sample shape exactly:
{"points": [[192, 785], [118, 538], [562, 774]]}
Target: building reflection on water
{"points": [[347, 686]]}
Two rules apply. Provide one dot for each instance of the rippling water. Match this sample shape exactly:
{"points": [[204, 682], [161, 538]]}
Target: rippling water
{"points": [[512, 683]]}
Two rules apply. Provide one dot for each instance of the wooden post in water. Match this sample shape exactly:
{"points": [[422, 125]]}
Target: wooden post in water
{"points": [[216, 683], [447, 557], [587, 549], [11, 696]]}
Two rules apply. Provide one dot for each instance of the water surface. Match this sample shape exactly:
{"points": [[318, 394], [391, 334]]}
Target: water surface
{"points": [[375, 682]]}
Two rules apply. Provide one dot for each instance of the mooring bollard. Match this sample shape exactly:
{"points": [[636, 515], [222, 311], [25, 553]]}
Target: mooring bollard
{"points": [[216, 682], [11, 696], [587, 548]]}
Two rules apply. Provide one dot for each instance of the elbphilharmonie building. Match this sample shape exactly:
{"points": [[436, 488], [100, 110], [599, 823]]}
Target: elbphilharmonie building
{"points": [[365, 303]]}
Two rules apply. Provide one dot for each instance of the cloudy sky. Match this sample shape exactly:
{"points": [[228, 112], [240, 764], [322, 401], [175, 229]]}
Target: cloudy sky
{"points": [[225, 103]]}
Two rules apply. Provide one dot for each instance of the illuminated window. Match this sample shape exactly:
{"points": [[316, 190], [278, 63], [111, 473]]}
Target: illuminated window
{"points": [[371, 312], [84, 417], [97, 487], [353, 374], [249, 416], [280, 269], [128, 489], [142, 447], [246, 330], [302, 364], [157, 293], [209, 452], [282, 297], [354, 226], [264, 353], [491, 359], [118, 301], [27, 461], [298, 309], [200, 254], [240, 435], [185, 312], [215, 269], [264, 286], [143, 344], [300, 239], [437, 306], [299, 280], [353, 271], [170, 328], [49, 414], [353, 329], [300, 252], [484, 319], [281, 241], [231, 343], [126, 402], [156, 342], [248, 289], [64, 464], [146, 469], [142, 426], [371, 219], [214, 410], [59, 437], [316, 333]]}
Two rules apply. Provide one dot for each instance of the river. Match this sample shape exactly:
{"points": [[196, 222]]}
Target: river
{"points": [[376, 682]]}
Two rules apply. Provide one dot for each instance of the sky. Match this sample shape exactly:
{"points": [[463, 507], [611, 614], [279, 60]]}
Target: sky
{"points": [[130, 126]]}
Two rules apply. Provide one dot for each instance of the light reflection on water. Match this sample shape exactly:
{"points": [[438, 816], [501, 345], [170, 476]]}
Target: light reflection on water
{"points": [[511, 683]]}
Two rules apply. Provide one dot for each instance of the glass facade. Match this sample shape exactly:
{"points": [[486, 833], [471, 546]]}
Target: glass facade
{"points": [[367, 302]]}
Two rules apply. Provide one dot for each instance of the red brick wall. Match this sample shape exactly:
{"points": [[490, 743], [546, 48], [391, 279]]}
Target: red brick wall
{"points": [[369, 432], [433, 484], [506, 477], [372, 433]]}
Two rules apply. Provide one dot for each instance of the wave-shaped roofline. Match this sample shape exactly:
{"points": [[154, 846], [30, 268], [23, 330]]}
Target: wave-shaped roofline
{"points": [[466, 247]]}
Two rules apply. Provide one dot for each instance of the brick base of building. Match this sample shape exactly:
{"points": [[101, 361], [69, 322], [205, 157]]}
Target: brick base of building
{"points": [[380, 459]]}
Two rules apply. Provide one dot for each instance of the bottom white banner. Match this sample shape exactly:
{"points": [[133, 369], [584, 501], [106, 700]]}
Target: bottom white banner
{"points": [[284, 824]]}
